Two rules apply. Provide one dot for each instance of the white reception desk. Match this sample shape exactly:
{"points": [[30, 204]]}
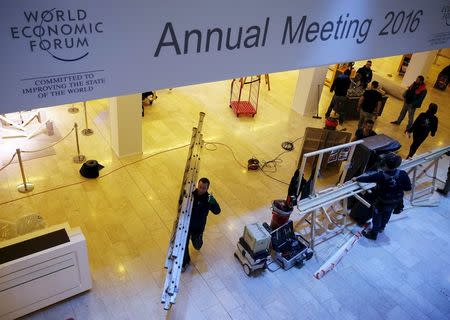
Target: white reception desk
{"points": [[42, 268]]}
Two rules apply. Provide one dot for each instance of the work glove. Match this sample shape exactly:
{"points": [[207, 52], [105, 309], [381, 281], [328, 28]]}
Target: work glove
{"points": [[213, 205], [211, 200]]}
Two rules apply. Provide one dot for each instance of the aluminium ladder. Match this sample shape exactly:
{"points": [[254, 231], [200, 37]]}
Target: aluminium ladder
{"points": [[177, 244]]}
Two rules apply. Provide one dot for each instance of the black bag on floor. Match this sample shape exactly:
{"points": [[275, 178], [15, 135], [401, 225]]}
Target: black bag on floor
{"points": [[90, 169]]}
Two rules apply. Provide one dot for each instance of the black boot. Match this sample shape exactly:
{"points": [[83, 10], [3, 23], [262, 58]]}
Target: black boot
{"points": [[370, 235], [197, 241]]}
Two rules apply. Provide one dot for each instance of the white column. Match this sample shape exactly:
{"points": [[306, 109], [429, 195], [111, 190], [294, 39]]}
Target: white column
{"points": [[126, 124], [419, 65], [309, 89]]}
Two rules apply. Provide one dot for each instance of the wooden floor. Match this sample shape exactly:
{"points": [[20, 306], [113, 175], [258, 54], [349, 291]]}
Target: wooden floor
{"points": [[127, 214]]}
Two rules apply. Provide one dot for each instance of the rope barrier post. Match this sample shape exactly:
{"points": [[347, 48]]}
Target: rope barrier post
{"points": [[79, 158], [73, 109], [87, 131], [25, 186], [319, 93]]}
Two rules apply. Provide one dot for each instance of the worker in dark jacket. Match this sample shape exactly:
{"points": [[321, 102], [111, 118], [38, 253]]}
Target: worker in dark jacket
{"points": [[391, 184], [413, 99], [424, 124], [340, 87], [369, 105], [366, 131], [365, 73], [202, 204]]}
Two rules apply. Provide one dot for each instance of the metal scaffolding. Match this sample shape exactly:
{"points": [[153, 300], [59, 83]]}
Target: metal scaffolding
{"points": [[314, 210]]}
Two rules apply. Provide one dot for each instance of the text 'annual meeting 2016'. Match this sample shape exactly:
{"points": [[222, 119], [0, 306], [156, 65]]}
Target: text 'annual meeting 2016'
{"points": [[302, 30]]}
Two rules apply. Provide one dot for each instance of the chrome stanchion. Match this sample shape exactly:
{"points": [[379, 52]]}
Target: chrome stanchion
{"points": [[25, 186], [87, 131], [73, 109], [79, 158], [319, 93]]}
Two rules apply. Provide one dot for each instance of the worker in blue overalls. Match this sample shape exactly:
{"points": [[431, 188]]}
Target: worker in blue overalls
{"points": [[391, 185]]}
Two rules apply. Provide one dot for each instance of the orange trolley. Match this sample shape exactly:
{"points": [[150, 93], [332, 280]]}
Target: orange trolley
{"points": [[245, 95]]}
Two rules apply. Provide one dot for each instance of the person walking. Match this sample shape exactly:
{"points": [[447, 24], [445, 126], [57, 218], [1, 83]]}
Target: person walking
{"points": [[340, 87], [413, 99], [391, 185], [369, 105], [425, 124], [203, 203], [365, 74]]}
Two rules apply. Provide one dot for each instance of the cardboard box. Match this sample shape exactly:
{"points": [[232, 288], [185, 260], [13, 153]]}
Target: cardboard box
{"points": [[256, 237]]}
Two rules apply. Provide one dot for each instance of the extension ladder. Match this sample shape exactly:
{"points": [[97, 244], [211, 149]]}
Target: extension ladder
{"points": [[177, 244]]}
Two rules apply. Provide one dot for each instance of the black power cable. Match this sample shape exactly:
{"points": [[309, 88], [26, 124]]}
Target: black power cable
{"points": [[287, 145], [254, 164]]}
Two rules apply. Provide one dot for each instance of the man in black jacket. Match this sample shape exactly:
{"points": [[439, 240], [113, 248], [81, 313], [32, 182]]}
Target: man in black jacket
{"points": [[202, 204], [391, 184], [424, 124], [366, 131], [340, 87], [365, 73], [369, 105]]}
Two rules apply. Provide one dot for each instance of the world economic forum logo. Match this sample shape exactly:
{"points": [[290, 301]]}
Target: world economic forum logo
{"points": [[66, 35]]}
